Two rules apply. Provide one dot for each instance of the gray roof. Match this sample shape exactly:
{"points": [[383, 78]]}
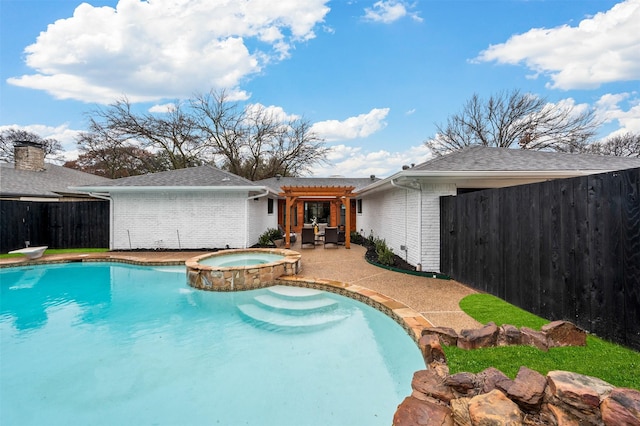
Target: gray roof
{"points": [[277, 183], [50, 182], [206, 176], [483, 158]]}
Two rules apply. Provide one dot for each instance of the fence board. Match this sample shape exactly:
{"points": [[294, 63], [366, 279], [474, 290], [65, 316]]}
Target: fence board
{"points": [[82, 224], [566, 249]]}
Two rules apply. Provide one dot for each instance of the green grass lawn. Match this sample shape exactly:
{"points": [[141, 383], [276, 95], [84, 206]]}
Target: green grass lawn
{"points": [[59, 251], [612, 363]]}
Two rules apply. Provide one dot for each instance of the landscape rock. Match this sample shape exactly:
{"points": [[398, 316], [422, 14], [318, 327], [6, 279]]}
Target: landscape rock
{"points": [[621, 407], [447, 336], [462, 383], [490, 397], [508, 335], [558, 416], [414, 412], [494, 408], [429, 383], [431, 349], [440, 369], [484, 337], [491, 378], [578, 394], [534, 338], [564, 333], [528, 389], [460, 411]]}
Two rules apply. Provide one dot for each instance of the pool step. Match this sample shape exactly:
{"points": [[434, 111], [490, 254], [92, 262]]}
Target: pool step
{"points": [[294, 293], [280, 320], [295, 307], [285, 308]]}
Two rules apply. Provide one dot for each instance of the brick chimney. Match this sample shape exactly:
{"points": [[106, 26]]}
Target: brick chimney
{"points": [[28, 156]]}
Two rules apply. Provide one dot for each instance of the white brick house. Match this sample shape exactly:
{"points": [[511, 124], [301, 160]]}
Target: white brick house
{"points": [[204, 207], [200, 207], [404, 209]]}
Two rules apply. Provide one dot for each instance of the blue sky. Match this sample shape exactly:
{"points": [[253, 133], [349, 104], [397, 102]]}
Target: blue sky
{"points": [[374, 77]]}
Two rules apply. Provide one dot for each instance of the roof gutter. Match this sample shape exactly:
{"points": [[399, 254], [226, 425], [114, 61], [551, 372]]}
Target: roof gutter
{"points": [[114, 189], [255, 197], [452, 176], [99, 195]]}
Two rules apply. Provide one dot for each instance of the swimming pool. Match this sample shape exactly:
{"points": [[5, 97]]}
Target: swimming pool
{"points": [[105, 343]]}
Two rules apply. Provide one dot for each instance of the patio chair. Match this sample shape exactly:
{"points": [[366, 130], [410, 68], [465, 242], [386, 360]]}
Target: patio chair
{"points": [[341, 237], [308, 237], [331, 236], [292, 235]]}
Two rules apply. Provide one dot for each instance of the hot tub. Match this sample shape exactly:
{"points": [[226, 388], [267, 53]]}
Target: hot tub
{"points": [[242, 269]]}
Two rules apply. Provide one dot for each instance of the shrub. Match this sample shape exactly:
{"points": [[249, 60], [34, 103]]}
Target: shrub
{"points": [[385, 254], [269, 236], [356, 238]]}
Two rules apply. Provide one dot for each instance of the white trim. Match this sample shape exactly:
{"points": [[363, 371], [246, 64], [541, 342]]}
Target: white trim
{"points": [[440, 176], [112, 189]]}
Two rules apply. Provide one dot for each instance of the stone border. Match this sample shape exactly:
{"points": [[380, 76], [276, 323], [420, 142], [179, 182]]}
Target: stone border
{"points": [[238, 278], [490, 397]]}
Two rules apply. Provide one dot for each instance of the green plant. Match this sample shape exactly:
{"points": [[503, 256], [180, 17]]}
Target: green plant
{"points": [[356, 238], [612, 363], [269, 236], [385, 254]]}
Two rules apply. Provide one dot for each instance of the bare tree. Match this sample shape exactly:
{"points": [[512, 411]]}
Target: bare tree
{"points": [[513, 119], [254, 142], [626, 145], [9, 137], [174, 134]]}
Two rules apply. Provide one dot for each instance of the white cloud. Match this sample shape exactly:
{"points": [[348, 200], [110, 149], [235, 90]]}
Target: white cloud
{"points": [[163, 108], [164, 48], [360, 126], [388, 11], [278, 113], [610, 109], [601, 49], [356, 162]]}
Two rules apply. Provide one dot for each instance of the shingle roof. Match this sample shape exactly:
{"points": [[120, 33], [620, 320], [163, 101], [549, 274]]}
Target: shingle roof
{"points": [[193, 176], [277, 183], [483, 158], [50, 182]]}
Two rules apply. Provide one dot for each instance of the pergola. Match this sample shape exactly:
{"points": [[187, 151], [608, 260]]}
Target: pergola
{"points": [[342, 193]]}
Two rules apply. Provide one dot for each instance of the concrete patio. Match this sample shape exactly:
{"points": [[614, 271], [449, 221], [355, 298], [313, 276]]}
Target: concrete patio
{"points": [[435, 299]]}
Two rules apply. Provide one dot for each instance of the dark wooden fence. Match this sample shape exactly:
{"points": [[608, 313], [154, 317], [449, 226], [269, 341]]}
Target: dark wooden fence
{"points": [[72, 224], [564, 249]]}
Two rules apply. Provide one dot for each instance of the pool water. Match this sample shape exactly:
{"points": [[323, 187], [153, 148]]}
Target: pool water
{"points": [[107, 344], [240, 259]]}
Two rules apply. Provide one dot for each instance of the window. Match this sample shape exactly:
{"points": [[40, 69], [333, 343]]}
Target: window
{"points": [[359, 208], [319, 210], [270, 205]]}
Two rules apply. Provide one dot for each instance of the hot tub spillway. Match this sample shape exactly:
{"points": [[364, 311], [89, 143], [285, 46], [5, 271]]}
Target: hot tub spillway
{"points": [[285, 308]]}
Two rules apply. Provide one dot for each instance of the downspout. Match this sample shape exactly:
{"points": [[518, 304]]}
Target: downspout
{"points": [[246, 215], [105, 196], [419, 189]]}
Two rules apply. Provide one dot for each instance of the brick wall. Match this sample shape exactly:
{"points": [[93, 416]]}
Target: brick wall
{"points": [[187, 220], [259, 220], [28, 156], [407, 218]]}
